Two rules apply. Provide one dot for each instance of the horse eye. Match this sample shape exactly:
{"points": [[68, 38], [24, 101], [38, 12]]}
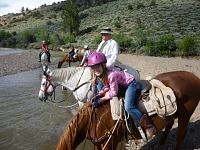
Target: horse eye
{"points": [[43, 83]]}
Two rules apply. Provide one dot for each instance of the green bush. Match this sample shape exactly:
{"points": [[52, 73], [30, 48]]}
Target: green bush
{"points": [[69, 39], [123, 40], [130, 7], [153, 3], [117, 24], [43, 34], [98, 39], [6, 39], [188, 45], [160, 46], [140, 5], [140, 38], [25, 37], [165, 42]]}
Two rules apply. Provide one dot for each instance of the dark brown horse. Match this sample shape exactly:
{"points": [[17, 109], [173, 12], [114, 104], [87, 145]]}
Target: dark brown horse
{"points": [[67, 59], [97, 124]]}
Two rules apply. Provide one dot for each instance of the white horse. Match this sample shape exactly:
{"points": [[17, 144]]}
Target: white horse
{"points": [[45, 63], [77, 79]]}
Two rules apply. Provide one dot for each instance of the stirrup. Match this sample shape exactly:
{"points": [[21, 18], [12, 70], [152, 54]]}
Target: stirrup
{"points": [[141, 132]]}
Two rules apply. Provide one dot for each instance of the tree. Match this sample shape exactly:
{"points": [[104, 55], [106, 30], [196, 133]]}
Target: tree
{"points": [[70, 18], [22, 9]]}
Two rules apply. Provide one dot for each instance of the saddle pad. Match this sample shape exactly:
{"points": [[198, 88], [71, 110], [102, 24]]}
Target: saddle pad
{"points": [[163, 98], [116, 108]]}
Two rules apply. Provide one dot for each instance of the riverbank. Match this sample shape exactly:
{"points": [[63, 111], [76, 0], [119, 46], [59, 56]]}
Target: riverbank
{"points": [[15, 63]]}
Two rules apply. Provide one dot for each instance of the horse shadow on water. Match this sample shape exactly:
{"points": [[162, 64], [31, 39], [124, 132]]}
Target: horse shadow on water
{"points": [[191, 141]]}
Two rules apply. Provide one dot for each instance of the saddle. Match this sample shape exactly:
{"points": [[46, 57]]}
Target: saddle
{"points": [[152, 97], [76, 53]]}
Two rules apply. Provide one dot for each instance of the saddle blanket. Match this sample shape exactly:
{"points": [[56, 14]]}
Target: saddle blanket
{"points": [[162, 99]]}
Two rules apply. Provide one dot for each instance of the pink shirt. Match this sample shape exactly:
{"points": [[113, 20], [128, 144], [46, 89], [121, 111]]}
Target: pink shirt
{"points": [[116, 77]]}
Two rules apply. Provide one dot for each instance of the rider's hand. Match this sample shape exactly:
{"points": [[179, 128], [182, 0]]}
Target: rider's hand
{"points": [[96, 97], [96, 103]]}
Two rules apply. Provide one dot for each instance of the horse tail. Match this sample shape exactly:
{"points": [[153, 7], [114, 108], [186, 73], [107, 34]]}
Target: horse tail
{"points": [[75, 131]]}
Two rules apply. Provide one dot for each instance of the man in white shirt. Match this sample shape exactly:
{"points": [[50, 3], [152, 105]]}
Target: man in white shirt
{"points": [[108, 46]]}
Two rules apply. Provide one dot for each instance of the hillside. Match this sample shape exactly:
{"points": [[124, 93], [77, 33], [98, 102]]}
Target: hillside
{"points": [[177, 17]]}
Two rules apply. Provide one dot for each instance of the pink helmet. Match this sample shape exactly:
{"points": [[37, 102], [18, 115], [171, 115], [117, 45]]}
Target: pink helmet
{"points": [[96, 58]]}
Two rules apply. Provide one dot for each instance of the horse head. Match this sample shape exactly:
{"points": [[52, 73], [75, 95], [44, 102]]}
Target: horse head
{"points": [[47, 88]]}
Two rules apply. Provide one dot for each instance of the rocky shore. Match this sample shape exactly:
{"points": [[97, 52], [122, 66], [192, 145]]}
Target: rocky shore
{"points": [[15, 63]]}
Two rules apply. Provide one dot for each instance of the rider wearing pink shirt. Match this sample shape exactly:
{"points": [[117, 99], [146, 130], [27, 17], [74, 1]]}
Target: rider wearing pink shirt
{"points": [[116, 77], [111, 77]]}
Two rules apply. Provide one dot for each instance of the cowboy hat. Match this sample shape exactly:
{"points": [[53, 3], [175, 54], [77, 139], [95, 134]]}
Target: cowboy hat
{"points": [[106, 30]]}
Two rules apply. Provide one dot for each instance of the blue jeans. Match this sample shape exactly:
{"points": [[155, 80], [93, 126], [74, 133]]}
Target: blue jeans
{"points": [[99, 85], [130, 102]]}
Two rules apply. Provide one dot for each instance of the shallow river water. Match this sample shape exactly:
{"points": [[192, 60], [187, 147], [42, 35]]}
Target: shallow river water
{"points": [[26, 122]]}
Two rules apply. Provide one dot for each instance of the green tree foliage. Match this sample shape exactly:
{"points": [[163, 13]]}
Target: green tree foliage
{"points": [[43, 34], [70, 18], [25, 37], [69, 39], [22, 9], [6, 39]]}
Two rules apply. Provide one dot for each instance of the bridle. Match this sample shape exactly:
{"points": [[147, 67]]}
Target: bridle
{"points": [[47, 85]]}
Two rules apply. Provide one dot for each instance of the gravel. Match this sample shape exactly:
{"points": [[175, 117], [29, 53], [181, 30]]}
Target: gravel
{"points": [[15, 63]]}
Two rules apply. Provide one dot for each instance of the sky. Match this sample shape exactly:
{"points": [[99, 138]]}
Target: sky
{"points": [[14, 6]]}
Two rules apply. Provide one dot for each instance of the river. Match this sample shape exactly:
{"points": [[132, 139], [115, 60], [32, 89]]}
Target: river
{"points": [[26, 122]]}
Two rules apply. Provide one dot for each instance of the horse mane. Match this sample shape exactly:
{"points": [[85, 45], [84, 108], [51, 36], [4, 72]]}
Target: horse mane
{"points": [[70, 135], [65, 73]]}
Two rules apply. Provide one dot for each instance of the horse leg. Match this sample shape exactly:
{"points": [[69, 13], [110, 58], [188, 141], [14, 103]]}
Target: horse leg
{"points": [[60, 64], [165, 135], [182, 126]]}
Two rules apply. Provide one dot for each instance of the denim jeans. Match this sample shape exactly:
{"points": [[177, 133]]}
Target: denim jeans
{"points": [[99, 85], [130, 106]]}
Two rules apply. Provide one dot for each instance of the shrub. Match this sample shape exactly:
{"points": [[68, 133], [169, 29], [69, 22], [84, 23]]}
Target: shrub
{"points": [[130, 7], [43, 34], [117, 24], [153, 3], [140, 5], [165, 42], [69, 39], [98, 39], [6, 39], [25, 37], [160, 46], [188, 45], [123, 40], [140, 38]]}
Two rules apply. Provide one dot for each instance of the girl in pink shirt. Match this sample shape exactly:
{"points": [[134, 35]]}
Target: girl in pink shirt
{"points": [[111, 77]]}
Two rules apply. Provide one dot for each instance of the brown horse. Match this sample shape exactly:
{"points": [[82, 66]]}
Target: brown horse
{"points": [[67, 59], [96, 124]]}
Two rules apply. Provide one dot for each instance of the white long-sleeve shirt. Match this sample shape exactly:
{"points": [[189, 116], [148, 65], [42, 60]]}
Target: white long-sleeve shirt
{"points": [[110, 50]]}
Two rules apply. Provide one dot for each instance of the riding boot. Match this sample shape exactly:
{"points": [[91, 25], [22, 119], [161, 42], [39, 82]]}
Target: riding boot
{"points": [[149, 128]]}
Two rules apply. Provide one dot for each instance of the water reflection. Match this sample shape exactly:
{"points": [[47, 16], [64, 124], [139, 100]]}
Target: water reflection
{"points": [[7, 52]]}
